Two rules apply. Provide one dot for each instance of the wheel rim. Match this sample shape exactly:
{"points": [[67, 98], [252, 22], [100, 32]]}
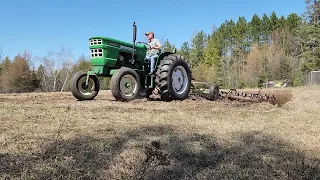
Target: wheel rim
{"points": [[128, 85], [179, 79], [86, 90]]}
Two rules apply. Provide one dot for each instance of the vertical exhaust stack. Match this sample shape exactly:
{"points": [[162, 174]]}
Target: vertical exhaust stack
{"points": [[134, 40], [134, 32]]}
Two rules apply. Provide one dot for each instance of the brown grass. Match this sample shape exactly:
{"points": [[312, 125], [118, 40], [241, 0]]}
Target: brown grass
{"points": [[53, 136]]}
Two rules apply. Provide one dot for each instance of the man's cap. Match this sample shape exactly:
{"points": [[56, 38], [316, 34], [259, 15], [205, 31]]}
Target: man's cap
{"points": [[150, 32]]}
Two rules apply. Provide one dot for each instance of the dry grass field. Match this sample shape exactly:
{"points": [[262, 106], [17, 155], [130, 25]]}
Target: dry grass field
{"points": [[53, 136]]}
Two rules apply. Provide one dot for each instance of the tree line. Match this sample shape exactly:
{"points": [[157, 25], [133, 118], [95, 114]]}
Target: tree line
{"points": [[237, 54], [246, 53]]}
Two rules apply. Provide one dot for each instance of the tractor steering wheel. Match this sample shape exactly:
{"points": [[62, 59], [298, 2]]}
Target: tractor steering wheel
{"points": [[144, 44]]}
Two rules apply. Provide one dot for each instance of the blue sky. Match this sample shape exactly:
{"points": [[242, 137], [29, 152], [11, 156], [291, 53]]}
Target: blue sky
{"points": [[40, 26]]}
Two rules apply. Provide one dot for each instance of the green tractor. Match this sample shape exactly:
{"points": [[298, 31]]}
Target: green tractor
{"points": [[126, 64]]}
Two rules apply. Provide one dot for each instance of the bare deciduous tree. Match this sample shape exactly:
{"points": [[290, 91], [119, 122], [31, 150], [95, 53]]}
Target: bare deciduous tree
{"points": [[57, 67], [1, 54], [66, 57]]}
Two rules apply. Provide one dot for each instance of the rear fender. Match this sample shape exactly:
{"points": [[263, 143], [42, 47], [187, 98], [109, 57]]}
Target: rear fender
{"points": [[162, 55]]}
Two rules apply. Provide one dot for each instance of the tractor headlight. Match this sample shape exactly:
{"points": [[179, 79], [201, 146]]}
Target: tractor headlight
{"points": [[95, 41], [96, 53]]}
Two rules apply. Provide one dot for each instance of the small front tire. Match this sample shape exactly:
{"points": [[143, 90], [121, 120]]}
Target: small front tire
{"points": [[79, 88]]}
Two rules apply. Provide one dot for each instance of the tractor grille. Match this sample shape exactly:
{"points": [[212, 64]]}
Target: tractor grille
{"points": [[96, 53], [95, 41]]}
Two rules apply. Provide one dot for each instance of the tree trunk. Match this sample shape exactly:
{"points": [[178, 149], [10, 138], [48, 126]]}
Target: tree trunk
{"points": [[55, 82], [64, 83]]}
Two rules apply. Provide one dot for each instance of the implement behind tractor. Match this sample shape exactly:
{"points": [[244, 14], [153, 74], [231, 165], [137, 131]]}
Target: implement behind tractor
{"points": [[211, 92], [126, 64]]}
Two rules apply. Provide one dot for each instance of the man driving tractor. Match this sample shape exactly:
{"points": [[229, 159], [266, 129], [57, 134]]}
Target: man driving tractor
{"points": [[153, 49]]}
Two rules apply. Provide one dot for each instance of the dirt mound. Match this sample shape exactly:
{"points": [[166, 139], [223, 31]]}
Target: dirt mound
{"points": [[282, 97]]}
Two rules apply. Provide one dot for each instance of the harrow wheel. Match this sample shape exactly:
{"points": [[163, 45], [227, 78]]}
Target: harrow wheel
{"points": [[214, 92], [79, 88], [125, 84], [173, 78]]}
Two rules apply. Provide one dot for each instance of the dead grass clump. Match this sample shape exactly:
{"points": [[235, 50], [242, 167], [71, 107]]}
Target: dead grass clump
{"points": [[125, 165], [282, 97], [133, 163]]}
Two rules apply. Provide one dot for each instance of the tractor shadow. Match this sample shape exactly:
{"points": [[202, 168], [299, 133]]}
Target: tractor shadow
{"points": [[161, 152]]}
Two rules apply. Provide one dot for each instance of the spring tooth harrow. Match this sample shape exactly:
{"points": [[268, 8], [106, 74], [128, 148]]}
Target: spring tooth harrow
{"points": [[214, 94], [233, 94]]}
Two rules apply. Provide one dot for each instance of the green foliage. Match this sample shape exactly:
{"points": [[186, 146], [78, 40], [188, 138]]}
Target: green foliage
{"points": [[260, 82], [293, 21], [282, 22], [242, 83], [241, 30], [255, 29], [204, 72], [286, 47], [39, 75], [198, 45], [212, 60], [274, 22], [298, 80], [265, 29], [168, 47], [308, 37], [185, 50], [212, 53], [82, 65]]}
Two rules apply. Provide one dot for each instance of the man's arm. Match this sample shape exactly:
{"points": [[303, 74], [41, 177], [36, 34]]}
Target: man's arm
{"points": [[158, 45]]}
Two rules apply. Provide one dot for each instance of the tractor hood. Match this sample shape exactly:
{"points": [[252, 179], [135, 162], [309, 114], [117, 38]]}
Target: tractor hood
{"points": [[102, 40]]}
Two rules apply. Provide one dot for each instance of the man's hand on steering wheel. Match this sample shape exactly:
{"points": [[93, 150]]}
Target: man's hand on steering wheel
{"points": [[149, 47]]}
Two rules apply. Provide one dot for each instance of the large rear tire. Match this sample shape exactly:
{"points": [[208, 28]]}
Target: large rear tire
{"points": [[79, 88], [173, 78], [125, 84]]}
